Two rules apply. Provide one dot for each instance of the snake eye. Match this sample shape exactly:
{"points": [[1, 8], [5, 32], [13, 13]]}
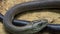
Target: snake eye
{"points": [[40, 24]]}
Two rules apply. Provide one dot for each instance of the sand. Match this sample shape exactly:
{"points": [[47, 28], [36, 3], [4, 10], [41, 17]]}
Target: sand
{"points": [[43, 14]]}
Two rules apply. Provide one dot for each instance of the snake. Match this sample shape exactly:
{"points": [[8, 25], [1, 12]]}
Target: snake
{"points": [[27, 6]]}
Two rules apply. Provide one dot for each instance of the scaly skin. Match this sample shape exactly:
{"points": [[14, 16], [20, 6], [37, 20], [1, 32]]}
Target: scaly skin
{"points": [[9, 16]]}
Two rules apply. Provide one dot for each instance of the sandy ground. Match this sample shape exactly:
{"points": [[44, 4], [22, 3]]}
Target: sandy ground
{"points": [[44, 14]]}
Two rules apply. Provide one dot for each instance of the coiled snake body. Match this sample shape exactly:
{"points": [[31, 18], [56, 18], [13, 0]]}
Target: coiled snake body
{"points": [[30, 27]]}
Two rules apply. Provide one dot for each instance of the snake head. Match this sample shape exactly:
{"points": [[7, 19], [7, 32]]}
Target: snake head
{"points": [[36, 26], [39, 25]]}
